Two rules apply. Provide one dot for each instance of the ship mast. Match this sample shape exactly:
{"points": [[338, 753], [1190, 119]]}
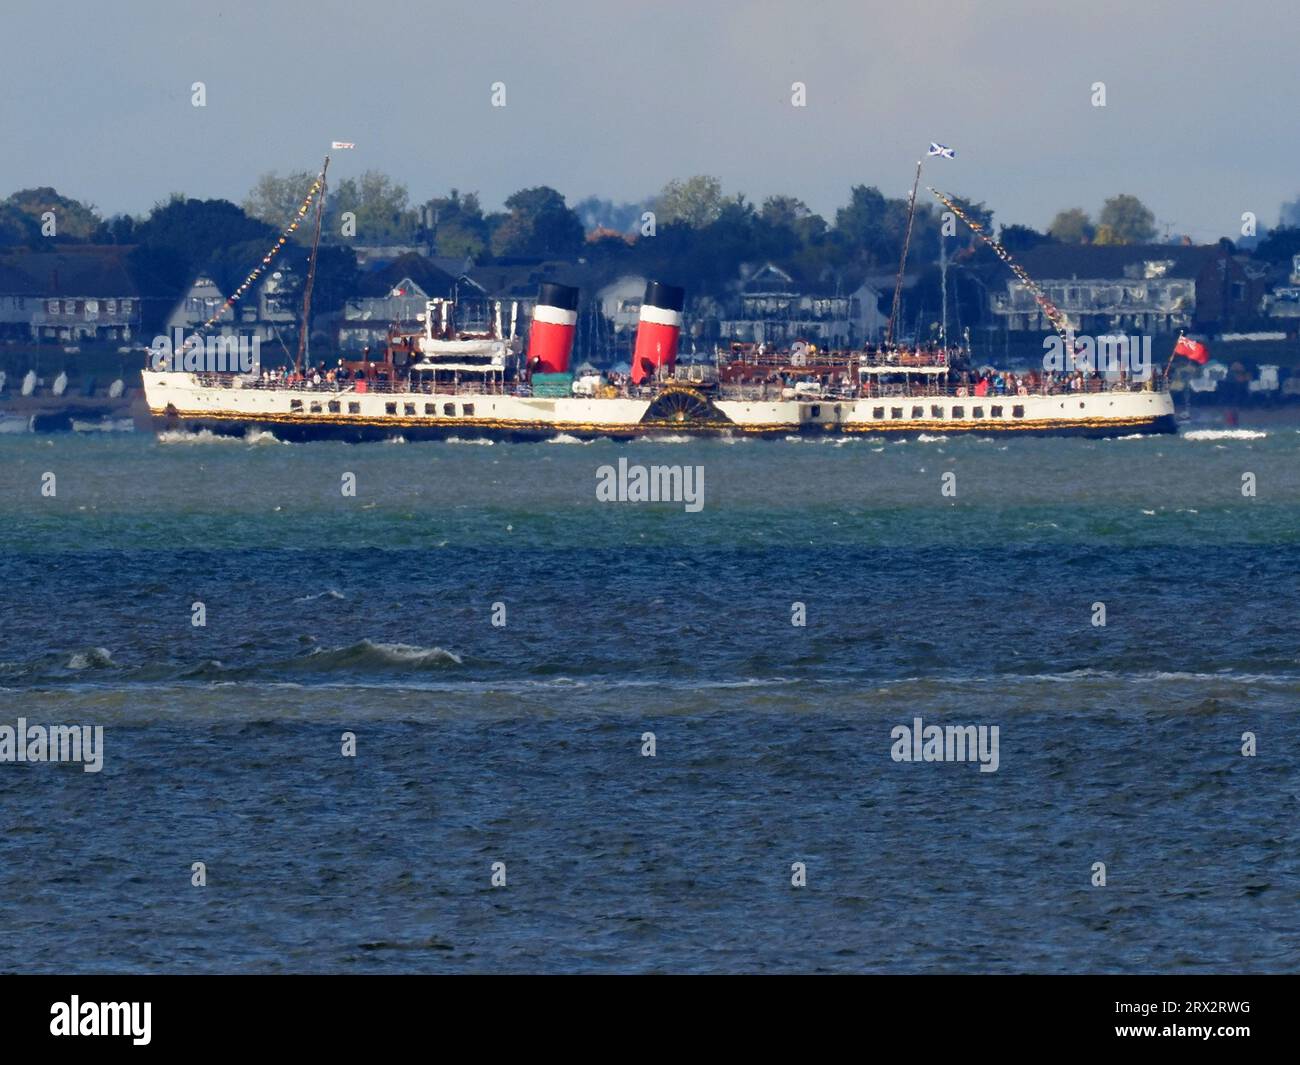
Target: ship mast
{"points": [[299, 362], [902, 259]]}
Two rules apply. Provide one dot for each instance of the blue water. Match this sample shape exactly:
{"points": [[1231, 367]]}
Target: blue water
{"points": [[522, 743]]}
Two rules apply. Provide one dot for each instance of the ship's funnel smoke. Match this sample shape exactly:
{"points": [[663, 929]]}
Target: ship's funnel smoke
{"points": [[658, 329], [555, 318]]}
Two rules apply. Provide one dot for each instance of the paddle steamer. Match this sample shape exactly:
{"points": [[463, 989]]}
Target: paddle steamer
{"points": [[444, 381], [460, 377]]}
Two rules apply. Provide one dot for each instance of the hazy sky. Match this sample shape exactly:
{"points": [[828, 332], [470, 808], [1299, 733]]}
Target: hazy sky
{"points": [[616, 98]]}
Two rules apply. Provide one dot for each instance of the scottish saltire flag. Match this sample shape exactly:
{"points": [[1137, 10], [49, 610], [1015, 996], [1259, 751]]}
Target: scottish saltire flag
{"points": [[942, 149]]}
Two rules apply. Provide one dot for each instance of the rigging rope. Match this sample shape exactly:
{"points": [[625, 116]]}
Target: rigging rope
{"points": [[256, 272], [1048, 307]]}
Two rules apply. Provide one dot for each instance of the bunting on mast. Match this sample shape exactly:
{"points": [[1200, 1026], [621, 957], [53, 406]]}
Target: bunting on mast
{"points": [[256, 272], [1049, 309]]}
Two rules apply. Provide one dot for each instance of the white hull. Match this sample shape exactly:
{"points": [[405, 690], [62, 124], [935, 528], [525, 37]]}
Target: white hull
{"points": [[181, 400]]}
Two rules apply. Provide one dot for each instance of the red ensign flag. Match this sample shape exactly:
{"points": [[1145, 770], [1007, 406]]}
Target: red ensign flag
{"points": [[1192, 349]]}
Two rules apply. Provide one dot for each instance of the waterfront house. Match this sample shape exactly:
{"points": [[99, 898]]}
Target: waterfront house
{"points": [[394, 295], [772, 308], [1134, 288], [270, 311], [76, 294]]}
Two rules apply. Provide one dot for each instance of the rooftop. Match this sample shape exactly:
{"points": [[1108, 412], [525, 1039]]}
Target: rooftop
{"points": [[92, 270]]}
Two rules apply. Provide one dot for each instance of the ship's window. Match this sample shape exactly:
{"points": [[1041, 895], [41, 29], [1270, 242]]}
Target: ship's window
{"points": [[449, 409], [995, 412], [918, 412], [815, 411], [390, 408], [936, 411], [295, 404], [430, 408], [895, 412], [467, 410], [1080, 403], [877, 412], [959, 412], [978, 412], [1017, 411], [354, 408], [408, 408], [334, 406], [315, 408]]}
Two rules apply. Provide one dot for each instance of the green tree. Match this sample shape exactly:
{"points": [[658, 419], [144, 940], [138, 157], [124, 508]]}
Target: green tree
{"points": [[695, 202], [197, 231], [336, 277], [380, 205], [871, 228], [539, 223], [1018, 238], [1125, 219], [792, 222], [1280, 245], [275, 200], [120, 229], [73, 220], [17, 227], [1072, 226], [456, 224]]}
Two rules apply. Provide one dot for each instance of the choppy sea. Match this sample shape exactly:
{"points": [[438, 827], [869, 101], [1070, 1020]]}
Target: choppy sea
{"points": [[517, 749]]}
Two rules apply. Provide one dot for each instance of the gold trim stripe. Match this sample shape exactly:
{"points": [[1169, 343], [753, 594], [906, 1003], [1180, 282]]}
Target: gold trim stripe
{"points": [[394, 421]]}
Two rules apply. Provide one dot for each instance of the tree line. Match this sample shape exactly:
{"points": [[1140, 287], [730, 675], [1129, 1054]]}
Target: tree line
{"points": [[692, 231]]}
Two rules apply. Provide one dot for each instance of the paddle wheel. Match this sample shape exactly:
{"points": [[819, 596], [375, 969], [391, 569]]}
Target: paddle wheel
{"points": [[677, 405]]}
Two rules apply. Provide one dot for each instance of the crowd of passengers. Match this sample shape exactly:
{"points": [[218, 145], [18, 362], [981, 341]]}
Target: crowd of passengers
{"points": [[961, 378], [313, 377], [989, 382]]}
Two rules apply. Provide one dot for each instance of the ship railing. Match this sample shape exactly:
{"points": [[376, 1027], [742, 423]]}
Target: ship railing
{"points": [[904, 360], [1041, 387], [401, 387], [913, 388], [870, 388]]}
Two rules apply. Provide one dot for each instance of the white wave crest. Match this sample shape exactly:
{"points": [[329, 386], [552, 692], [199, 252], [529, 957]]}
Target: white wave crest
{"points": [[92, 658], [1224, 434], [252, 438], [328, 593]]}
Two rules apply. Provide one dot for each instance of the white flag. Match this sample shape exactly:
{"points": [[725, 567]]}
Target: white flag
{"points": [[342, 144], [942, 149]]}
